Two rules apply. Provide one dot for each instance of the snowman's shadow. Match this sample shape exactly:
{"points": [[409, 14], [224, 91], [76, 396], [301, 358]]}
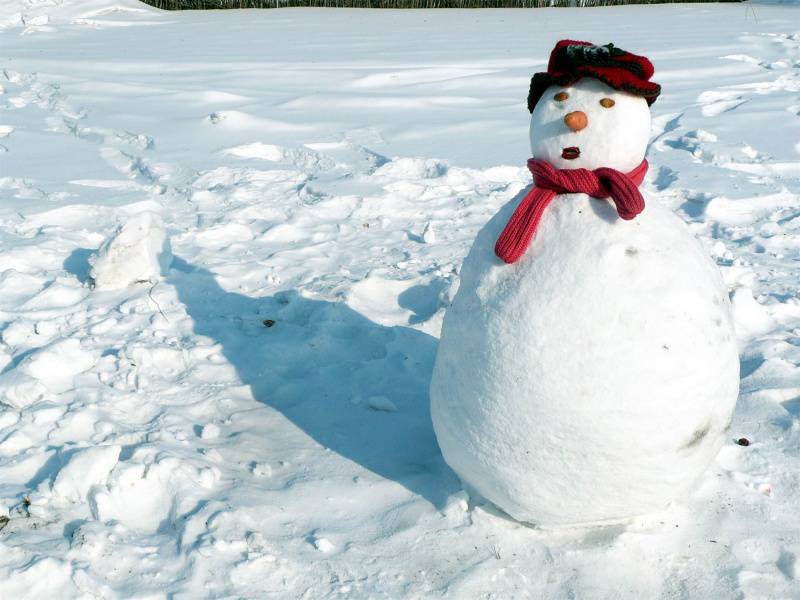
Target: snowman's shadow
{"points": [[318, 363]]}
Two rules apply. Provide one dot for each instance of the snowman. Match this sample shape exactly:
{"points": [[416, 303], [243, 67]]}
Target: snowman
{"points": [[587, 370]]}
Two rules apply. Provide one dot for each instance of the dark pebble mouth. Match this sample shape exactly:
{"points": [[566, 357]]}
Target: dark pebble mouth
{"points": [[571, 153]]}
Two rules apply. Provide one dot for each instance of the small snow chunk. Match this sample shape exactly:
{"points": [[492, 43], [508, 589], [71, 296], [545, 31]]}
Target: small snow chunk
{"points": [[208, 477], [261, 469], [57, 364], [138, 252], [210, 431], [750, 317], [257, 150], [428, 234], [381, 403], [413, 169], [255, 542], [703, 135], [376, 298], [20, 390], [85, 469], [456, 504], [137, 496], [322, 544]]}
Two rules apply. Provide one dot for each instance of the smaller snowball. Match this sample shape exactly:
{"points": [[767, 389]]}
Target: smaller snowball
{"points": [[261, 470], [139, 251], [381, 403], [323, 544], [209, 432], [208, 477], [428, 234]]}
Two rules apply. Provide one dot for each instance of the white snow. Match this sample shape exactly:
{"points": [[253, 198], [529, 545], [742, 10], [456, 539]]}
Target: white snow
{"points": [[209, 431], [18, 389], [139, 252], [57, 364], [323, 544], [429, 234], [380, 122], [381, 403], [85, 469]]}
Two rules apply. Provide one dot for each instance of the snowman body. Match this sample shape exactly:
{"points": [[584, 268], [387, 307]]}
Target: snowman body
{"points": [[594, 379]]}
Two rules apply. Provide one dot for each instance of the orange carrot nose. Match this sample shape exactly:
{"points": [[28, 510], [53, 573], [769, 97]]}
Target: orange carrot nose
{"points": [[576, 120]]}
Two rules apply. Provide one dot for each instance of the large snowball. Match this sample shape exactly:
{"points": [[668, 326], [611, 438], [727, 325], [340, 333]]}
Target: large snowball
{"points": [[594, 379]]}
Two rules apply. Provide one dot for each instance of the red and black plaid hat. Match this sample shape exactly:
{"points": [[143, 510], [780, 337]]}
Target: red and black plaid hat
{"points": [[571, 60]]}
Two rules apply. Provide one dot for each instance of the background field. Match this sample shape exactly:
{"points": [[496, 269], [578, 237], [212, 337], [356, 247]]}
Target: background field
{"points": [[327, 170]]}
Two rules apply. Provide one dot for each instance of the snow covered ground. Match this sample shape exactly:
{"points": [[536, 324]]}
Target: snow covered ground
{"points": [[250, 419]]}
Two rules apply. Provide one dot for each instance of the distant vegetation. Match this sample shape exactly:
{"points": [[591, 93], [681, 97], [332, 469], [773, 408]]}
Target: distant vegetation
{"points": [[206, 4]]}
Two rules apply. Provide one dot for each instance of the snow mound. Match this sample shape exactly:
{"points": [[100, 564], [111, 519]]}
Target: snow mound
{"points": [[56, 365], [85, 469], [139, 252], [20, 390]]}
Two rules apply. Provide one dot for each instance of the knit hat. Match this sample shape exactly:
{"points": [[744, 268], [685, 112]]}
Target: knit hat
{"points": [[571, 60]]}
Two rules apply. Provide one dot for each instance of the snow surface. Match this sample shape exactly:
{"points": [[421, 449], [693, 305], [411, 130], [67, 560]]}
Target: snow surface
{"points": [[297, 159], [595, 378]]}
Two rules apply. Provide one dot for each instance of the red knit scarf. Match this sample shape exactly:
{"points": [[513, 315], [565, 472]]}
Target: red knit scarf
{"points": [[622, 188]]}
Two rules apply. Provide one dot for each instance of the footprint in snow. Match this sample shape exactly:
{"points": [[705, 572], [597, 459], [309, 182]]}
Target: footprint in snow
{"points": [[665, 178], [715, 103]]}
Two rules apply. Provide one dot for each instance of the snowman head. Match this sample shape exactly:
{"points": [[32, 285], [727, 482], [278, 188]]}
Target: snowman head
{"points": [[589, 125], [591, 108]]}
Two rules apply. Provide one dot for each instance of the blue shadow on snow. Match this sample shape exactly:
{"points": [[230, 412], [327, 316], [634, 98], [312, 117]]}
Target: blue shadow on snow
{"points": [[315, 360]]}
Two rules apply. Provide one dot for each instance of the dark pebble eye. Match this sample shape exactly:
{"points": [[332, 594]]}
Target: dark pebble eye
{"points": [[561, 96], [607, 103]]}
